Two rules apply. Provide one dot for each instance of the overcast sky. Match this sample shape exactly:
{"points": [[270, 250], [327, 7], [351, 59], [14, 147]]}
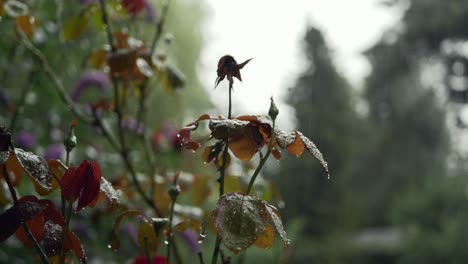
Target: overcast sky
{"points": [[271, 32]]}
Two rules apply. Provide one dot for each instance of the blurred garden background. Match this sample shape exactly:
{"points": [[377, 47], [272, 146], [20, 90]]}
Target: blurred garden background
{"points": [[380, 86]]}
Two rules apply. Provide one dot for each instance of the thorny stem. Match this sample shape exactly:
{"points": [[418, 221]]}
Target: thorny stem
{"points": [[65, 231], [262, 161], [159, 27], [122, 150], [39, 250], [222, 172]]}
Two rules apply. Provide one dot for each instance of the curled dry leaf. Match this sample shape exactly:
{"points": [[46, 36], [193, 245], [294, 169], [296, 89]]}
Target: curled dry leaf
{"points": [[242, 220], [147, 239], [115, 242]]}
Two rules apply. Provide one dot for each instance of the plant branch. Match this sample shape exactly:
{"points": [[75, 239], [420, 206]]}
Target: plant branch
{"points": [[55, 80], [22, 99], [65, 231], [262, 161], [105, 20], [159, 27], [38, 248]]}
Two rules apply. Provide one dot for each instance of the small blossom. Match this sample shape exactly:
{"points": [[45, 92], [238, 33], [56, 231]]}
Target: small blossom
{"points": [[166, 138], [82, 183], [150, 11], [25, 140], [54, 151], [191, 238], [89, 79]]}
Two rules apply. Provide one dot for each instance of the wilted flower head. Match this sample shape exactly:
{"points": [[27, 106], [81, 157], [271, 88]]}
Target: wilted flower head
{"points": [[89, 79], [25, 140], [228, 67], [82, 184]]}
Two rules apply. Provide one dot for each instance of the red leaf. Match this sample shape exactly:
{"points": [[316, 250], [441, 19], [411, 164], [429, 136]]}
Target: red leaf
{"points": [[91, 174], [82, 183], [70, 184], [26, 208], [74, 243], [144, 260], [36, 226], [133, 6]]}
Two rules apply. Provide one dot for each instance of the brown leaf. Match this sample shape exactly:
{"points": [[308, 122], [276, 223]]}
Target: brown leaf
{"points": [[37, 169], [115, 242], [27, 24], [244, 148], [14, 169], [146, 232], [297, 147], [266, 238]]}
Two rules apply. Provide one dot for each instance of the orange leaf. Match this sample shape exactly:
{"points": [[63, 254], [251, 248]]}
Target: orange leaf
{"points": [[14, 169], [297, 147], [27, 25], [243, 148], [266, 238], [98, 59]]}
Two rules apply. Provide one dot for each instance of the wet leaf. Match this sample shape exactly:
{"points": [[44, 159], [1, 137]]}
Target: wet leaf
{"points": [[36, 226], [297, 147], [27, 24], [284, 140], [146, 232], [108, 190], [244, 148], [310, 146], [75, 26], [188, 224], [5, 142], [115, 242], [122, 63], [73, 243], [266, 238], [276, 153], [37, 169], [239, 220], [82, 183], [58, 169], [277, 223], [14, 169], [11, 218], [52, 238]]}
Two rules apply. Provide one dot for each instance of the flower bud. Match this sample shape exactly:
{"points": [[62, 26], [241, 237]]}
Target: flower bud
{"points": [[174, 191], [273, 112]]}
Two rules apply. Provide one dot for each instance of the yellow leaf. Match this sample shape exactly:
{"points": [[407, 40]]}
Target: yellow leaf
{"points": [[27, 25], [75, 26], [266, 238], [147, 238]]}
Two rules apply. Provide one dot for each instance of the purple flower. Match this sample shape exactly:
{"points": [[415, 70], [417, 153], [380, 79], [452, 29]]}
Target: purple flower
{"points": [[191, 238], [131, 125], [25, 140], [89, 79], [85, 2], [54, 151], [150, 11]]}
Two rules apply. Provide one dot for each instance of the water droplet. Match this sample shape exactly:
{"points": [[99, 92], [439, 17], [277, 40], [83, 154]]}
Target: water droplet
{"points": [[281, 204], [328, 177], [166, 242], [109, 246]]}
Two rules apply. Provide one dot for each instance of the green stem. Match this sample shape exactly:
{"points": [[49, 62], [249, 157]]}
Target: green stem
{"points": [[171, 217], [262, 161], [39, 250], [159, 27], [55, 80], [65, 232], [200, 257], [105, 21], [20, 103], [147, 251], [221, 179]]}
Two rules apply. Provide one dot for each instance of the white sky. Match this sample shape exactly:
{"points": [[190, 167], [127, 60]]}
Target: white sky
{"points": [[271, 32]]}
